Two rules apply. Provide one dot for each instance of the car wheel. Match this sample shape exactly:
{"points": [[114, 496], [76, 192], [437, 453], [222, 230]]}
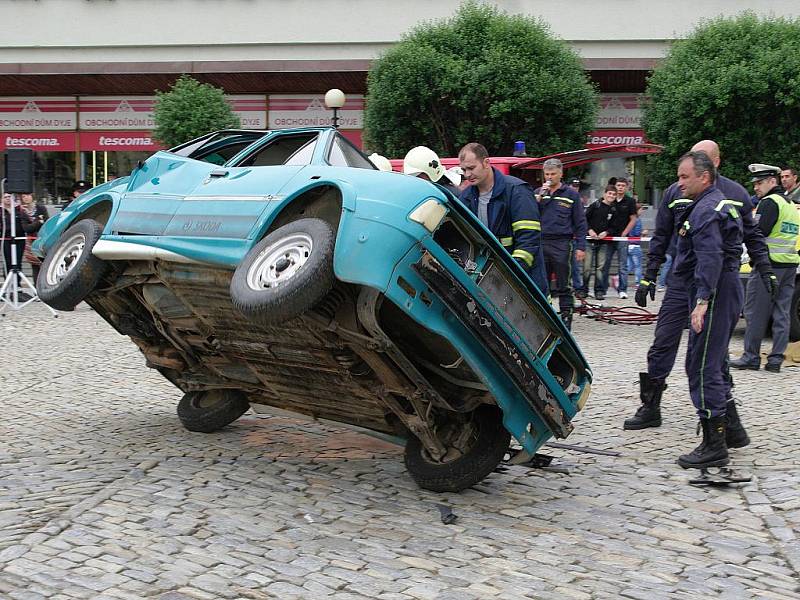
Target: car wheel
{"points": [[794, 314], [479, 455], [211, 410], [70, 271], [286, 273]]}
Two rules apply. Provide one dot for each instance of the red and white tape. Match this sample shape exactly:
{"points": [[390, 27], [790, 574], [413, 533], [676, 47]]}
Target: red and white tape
{"points": [[620, 239]]}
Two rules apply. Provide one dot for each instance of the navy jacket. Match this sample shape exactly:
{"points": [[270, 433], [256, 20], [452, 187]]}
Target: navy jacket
{"points": [[709, 241], [670, 217], [563, 216], [514, 220]]}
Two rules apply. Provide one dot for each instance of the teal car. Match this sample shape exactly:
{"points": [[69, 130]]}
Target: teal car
{"points": [[281, 269]]}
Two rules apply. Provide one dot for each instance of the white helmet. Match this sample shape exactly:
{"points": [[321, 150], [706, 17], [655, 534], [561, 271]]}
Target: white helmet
{"points": [[455, 175], [381, 162], [423, 160]]}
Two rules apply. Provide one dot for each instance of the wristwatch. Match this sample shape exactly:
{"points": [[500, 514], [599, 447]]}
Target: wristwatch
{"points": [[702, 301]]}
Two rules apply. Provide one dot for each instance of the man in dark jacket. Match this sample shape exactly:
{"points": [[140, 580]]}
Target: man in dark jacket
{"points": [[674, 312], [506, 206], [563, 230], [707, 258]]}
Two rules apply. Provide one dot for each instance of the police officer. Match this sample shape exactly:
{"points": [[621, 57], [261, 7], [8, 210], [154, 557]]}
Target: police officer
{"points": [[423, 162], [506, 206], [707, 258], [563, 228], [779, 221], [674, 313]]}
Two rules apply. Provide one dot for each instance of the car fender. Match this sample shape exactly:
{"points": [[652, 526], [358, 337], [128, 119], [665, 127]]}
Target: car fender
{"points": [[373, 234], [77, 210]]}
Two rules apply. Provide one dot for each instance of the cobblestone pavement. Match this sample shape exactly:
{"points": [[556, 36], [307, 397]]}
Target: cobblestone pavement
{"points": [[104, 495]]}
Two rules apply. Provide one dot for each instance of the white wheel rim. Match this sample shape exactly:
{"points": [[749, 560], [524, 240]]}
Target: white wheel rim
{"points": [[67, 255], [279, 262]]}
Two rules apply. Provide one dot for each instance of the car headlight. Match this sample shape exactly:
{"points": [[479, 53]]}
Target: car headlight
{"points": [[429, 214]]}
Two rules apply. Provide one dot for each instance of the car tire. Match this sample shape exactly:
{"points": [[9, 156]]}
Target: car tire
{"points": [[70, 271], [211, 410], [302, 253], [794, 314], [489, 446]]}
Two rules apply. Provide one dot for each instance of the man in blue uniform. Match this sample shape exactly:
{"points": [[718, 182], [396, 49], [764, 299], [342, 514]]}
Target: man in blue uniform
{"points": [[674, 313], [506, 206], [707, 258], [779, 222], [563, 225]]}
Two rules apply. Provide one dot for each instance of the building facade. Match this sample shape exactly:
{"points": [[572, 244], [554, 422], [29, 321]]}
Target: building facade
{"points": [[78, 79]]}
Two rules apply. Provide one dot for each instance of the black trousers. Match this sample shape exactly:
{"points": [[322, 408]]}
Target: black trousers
{"points": [[558, 261], [7, 253]]}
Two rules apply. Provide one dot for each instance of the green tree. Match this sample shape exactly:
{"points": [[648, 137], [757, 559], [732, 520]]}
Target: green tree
{"points": [[190, 109], [733, 80], [480, 76]]}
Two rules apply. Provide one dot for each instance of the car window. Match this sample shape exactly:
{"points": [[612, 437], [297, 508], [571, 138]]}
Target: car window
{"points": [[294, 149], [343, 154], [218, 148]]}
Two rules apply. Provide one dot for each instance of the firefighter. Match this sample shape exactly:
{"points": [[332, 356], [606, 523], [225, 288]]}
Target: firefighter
{"points": [[563, 230], [674, 313], [506, 206], [707, 257], [779, 221], [423, 162]]}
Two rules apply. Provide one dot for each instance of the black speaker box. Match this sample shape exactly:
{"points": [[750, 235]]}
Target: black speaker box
{"points": [[19, 170]]}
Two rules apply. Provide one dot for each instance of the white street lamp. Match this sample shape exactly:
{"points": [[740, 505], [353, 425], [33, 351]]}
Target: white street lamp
{"points": [[335, 99]]}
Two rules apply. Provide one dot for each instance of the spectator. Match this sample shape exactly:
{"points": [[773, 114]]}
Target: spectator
{"points": [[5, 233], [598, 217], [35, 214], [790, 184], [662, 274], [577, 266], [635, 248], [77, 189], [622, 221]]}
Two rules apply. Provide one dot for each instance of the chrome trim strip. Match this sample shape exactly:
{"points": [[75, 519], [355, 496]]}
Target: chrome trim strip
{"points": [[114, 250]]}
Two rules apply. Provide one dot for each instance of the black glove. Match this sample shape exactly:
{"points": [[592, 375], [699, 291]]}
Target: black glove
{"points": [[645, 287], [771, 283]]}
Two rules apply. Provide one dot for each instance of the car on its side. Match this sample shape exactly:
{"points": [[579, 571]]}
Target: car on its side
{"points": [[281, 269]]}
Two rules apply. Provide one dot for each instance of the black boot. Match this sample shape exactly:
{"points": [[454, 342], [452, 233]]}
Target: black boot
{"points": [[735, 434], [566, 316], [712, 451], [649, 413]]}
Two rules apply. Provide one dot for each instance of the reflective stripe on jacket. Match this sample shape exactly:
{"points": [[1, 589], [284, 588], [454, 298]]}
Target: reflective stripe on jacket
{"points": [[782, 241]]}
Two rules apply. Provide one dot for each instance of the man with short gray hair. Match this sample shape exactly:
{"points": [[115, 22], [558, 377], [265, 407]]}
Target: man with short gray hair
{"points": [[563, 230], [706, 269]]}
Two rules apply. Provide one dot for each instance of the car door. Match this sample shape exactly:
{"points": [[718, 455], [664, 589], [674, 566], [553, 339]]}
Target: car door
{"points": [[154, 193], [157, 187], [227, 204]]}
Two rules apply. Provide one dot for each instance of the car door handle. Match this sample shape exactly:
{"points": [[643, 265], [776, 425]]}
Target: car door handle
{"points": [[218, 173]]}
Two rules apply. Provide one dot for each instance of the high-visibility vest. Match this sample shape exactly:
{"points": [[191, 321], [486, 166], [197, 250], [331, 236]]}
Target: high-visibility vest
{"points": [[782, 241]]}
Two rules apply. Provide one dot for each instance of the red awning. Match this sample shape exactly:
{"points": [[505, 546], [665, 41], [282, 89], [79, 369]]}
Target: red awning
{"points": [[577, 158]]}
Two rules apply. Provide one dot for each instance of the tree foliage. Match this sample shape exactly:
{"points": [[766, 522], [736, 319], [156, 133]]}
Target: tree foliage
{"points": [[190, 109], [480, 76], [733, 80]]}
